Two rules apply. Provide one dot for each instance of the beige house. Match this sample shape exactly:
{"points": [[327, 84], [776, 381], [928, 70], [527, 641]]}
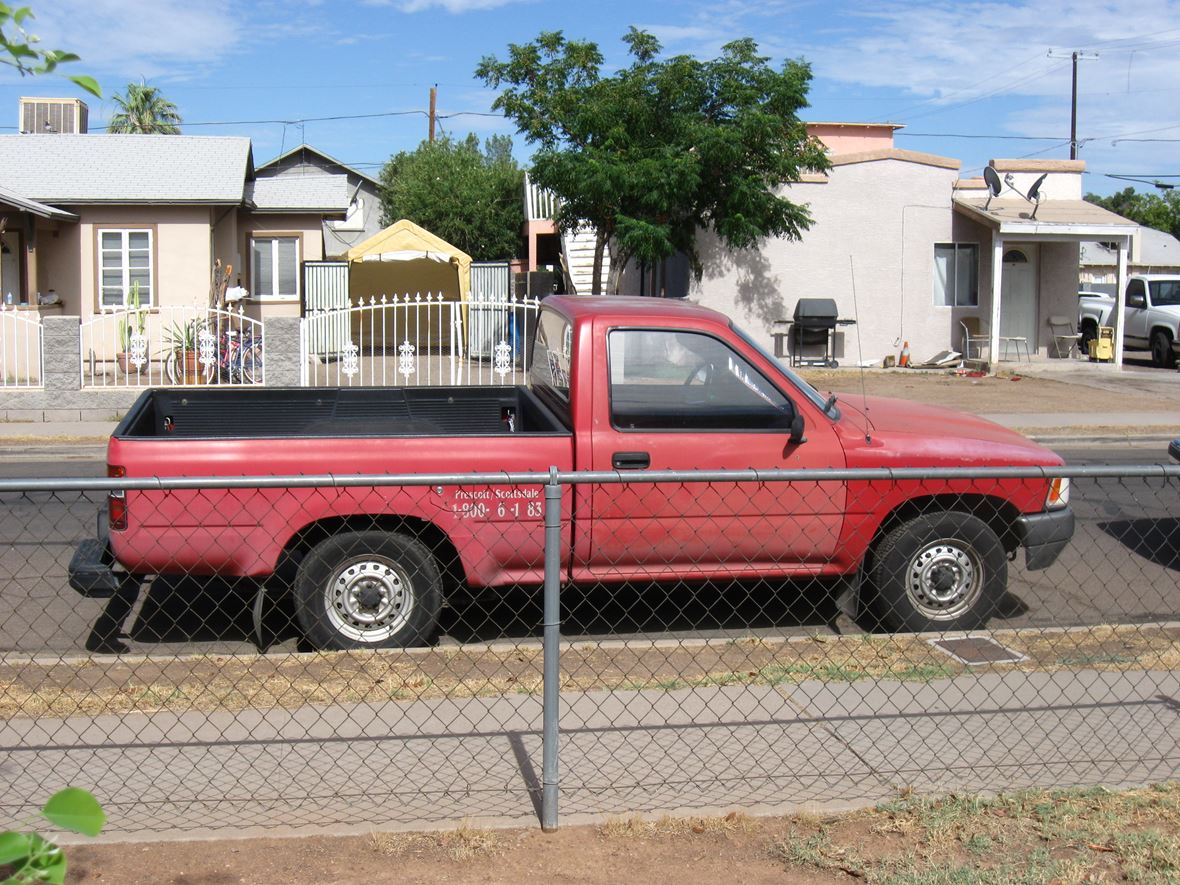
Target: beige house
{"points": [[911, 251], [87, 217]]}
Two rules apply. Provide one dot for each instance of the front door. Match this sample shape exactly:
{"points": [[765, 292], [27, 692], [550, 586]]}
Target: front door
{"points": [[1018, 296], [685, 400]]}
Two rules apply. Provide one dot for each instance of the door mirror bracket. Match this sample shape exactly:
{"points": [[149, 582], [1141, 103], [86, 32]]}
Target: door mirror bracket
{"points": [[797, 427]]}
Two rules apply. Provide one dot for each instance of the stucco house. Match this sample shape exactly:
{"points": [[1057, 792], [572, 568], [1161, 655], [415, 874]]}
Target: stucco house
{"points": [[911, 251], [362, 218], [88, 216]]}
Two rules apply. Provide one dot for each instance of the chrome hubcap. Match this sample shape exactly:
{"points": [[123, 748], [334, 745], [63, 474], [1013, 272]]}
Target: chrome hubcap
{"points": [[369, 598], [944, 580]]}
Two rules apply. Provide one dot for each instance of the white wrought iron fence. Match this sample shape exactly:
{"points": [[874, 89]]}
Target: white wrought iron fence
{"points": [[22, 361], [172, 346], [418, 340]]}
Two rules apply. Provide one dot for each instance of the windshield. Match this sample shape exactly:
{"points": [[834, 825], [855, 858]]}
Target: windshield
{"points": [[1165, 292], [806, 389]]}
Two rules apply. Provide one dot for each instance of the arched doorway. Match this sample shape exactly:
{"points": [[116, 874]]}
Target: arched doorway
{"points": [[1018, 294]]}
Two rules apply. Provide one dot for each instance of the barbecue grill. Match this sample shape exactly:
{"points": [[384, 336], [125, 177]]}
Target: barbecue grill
{"points": [[814, 326]]}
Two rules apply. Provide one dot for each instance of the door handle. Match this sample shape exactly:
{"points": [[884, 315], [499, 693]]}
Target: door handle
{"points": [[630, 460]]}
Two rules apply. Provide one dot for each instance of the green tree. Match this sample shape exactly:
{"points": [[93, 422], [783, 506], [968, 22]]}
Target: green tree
{"points": [[144, 111], [470, 197], [1149, 210], [664, 148], [19, 49]]}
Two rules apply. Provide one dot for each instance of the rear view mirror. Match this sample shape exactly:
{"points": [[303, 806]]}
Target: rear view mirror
{"points": [[797, 427]]}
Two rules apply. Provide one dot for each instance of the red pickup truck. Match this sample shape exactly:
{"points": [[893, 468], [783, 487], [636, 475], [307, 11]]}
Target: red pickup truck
{"points": [[615, 384]]}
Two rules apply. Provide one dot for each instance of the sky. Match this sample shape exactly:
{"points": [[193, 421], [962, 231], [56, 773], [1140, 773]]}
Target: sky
{"points": [[968, 79]]}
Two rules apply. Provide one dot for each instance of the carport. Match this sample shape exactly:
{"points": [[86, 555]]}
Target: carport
{"points": [[405, 259]]}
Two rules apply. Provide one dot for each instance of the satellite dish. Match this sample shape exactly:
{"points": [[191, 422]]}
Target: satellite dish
{"points": [[993, 180], [993, 184], [1034, 192]]}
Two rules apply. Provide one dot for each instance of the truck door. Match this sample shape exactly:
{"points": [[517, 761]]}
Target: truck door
{"points": [[688, 400], [1135, 313]]}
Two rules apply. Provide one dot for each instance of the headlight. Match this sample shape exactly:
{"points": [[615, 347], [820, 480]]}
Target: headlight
{"points": [[1058, 496]]}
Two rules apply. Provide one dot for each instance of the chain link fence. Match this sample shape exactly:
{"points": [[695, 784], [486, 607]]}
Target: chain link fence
{"points": [[732, 640]]}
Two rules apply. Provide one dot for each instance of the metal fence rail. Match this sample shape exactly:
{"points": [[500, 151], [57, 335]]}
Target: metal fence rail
{"points": [[708, 656]]}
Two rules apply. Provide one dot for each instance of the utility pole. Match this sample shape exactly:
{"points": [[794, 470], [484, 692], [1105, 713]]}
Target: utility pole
{"points": [[1073, 106], [434, 90]]}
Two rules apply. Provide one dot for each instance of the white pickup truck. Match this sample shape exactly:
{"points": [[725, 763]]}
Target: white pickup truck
{"points": [[1151, 316]]}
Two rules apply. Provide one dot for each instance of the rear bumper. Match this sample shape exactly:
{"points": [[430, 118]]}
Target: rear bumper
{"points": [[92, 571], [1043, 536]]}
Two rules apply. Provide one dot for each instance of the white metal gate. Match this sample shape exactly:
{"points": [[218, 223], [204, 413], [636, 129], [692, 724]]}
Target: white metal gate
{"points": [[22, 351], [417, 340]]}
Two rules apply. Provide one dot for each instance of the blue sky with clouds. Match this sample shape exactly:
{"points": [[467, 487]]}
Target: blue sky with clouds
{"points": [[969, 79]]}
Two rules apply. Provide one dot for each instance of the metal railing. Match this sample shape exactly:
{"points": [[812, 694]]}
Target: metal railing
{"points": [[418, 340], [172, 346], [707, 654], [22, 348]]}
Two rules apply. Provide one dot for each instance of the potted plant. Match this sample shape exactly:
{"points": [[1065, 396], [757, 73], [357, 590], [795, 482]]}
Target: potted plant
{"points": [[181, 341], [132, 340]]}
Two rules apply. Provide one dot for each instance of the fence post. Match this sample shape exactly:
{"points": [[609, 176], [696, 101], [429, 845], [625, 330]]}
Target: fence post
{"points": [[551, 694]]}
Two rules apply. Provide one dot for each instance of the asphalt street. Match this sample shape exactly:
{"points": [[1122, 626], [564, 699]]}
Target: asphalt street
{"points": [[1122, 566]]}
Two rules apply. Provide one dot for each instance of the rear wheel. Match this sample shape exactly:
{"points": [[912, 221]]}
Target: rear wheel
{"points": [[940, 571], [1089, 333], [368, 590], [1162, 356]]}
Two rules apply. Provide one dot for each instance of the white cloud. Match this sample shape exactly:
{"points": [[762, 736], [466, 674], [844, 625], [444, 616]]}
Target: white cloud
{"points": [[452, 6]]}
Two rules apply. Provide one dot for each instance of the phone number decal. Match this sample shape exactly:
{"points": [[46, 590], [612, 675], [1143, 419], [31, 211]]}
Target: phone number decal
{"points": [[490, 504]]}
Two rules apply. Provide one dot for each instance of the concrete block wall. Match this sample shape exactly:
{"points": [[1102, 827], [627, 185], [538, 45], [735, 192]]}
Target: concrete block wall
{"points": [[62, 397]]}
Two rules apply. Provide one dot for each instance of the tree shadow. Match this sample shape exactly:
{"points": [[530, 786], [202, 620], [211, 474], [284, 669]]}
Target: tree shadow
{"points": [[1156, 540], [759, 291]]}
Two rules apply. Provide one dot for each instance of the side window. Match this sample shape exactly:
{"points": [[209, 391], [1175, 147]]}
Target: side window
{"points": [[1136, 294], [664, 380]]}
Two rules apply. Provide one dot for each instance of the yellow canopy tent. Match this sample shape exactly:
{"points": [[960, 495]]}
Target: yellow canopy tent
{"points": [[405, 259]]}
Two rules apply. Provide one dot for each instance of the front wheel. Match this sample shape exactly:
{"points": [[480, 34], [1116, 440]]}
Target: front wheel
{"points": [[940, 571], [368, 590], [1161, 350]]}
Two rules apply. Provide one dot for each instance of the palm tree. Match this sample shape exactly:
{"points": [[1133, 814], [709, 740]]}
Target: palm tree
{"points": [[145, 111]]}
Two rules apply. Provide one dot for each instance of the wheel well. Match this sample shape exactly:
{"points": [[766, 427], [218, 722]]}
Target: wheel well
{"points": [[1088, 323], [1165, 329], [999, 515], [427, 533]]}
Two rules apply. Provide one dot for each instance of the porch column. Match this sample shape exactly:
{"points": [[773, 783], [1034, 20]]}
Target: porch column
{"points": [[1120, 297], [993, 344]]}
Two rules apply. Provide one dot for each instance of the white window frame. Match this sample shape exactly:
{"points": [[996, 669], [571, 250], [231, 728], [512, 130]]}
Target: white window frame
{"points": [[274, 239], [147, 299], [953, 276]]}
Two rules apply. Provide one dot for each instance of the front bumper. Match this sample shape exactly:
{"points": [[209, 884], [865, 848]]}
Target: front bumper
{"points": [[1043, 536]]}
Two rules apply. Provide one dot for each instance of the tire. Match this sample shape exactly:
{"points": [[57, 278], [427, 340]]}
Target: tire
{"points": [[937, 572], [1162, 356], [251, 363], [368, 590], [1089, 333]]}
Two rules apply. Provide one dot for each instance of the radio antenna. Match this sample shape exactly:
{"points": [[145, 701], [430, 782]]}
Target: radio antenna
{"points": [[864, 398]]}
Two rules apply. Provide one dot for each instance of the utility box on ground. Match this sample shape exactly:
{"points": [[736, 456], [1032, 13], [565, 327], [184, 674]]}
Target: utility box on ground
{"points": [[1102, 347]]}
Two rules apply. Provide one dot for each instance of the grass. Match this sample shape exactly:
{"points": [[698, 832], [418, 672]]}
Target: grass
{"points": [[216, 682], [638, 827], [465, 843], [1086, 835]]}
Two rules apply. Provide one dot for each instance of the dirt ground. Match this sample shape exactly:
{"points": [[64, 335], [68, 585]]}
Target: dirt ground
{"points": [[1006, 392], [1062, 836]]}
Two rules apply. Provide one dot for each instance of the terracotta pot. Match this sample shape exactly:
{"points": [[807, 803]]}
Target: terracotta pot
{"points": [[192, 373]]}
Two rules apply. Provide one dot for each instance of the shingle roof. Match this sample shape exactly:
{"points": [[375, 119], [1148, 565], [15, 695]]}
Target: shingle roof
{"points": [[17, 201], [304, 150], [67, 169], [1156, 249], [299, 193]]}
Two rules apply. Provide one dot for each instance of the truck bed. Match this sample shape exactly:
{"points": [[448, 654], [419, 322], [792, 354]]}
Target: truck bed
{"points": [[228, 413]]}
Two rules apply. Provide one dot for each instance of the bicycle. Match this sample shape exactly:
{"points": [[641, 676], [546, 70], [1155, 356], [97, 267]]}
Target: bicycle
{"points": [[239, 361]]}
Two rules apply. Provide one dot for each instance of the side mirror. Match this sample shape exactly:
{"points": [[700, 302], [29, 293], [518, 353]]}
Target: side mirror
{"points": [[797, 430]]}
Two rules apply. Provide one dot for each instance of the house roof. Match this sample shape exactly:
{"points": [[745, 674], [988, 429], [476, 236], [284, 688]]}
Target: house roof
{"points": [[85, 169], [1070, 219], [1156, 249], [305, 149], [328, 194], [892, 153], [11, 198]]}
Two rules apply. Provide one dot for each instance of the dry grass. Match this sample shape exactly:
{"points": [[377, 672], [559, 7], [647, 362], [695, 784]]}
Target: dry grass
{"points": [[233, 683], [462, 844], [639, 827]]}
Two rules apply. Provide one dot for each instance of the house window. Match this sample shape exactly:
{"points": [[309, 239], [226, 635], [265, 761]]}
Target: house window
{"points": [[125, 259], [275, 267], [956, 274]]}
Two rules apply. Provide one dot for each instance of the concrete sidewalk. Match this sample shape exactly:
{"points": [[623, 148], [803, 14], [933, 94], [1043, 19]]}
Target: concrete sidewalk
{"points": [[810, 746]]}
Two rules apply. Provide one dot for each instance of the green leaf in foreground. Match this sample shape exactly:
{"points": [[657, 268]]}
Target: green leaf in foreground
{"points": [[87, 83], [14, 847], [75, 810]]}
